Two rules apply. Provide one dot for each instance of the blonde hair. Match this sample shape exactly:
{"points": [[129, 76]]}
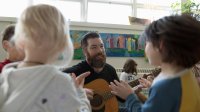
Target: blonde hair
{"points": [[44, 26]]}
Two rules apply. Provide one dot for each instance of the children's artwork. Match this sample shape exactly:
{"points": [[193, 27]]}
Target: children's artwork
{"points": [[76, 36], [116, 45], [122, 45]]}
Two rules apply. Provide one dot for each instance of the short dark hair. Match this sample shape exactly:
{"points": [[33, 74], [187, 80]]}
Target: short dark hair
{"points": [[89, 35], [130, 66], [8, 32], [179, 37]]}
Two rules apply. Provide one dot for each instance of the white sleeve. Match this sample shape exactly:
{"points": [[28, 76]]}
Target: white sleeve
{"points": [[59, 96], [67, 97], [123, 76], [63, 96], [85, 104]]}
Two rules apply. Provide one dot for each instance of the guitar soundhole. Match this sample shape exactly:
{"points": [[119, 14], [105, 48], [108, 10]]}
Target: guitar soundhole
{"points": [[96, 101]]}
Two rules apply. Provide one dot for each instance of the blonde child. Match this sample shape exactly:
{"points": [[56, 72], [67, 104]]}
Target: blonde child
{"points": [[172, 43], [35, 84]]}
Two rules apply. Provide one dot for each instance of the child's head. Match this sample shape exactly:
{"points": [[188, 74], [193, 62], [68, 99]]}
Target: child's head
{"points": [[173, 39], [8, 44], [130, 66], [42, 33]]}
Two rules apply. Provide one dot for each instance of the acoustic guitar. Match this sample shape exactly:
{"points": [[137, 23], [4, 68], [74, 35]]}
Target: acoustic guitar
{"points": [[103, 100]]}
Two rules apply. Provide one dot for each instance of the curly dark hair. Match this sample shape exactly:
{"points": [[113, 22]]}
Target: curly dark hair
{"points": [[178, 39], [8, 32], [130, 66]]}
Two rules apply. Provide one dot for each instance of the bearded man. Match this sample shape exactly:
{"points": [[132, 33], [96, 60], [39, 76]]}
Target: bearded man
{"points": [[95, 62]]}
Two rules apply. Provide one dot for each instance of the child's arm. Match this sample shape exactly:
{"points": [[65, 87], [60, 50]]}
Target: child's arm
{"points": [[123, 77], [79, 82]]}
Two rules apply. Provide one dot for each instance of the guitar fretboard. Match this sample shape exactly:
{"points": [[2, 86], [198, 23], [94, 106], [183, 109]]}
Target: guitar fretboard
{"points": [[134, 83]]}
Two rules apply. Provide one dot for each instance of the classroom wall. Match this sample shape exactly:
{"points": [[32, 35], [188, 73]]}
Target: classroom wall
{"points": [[117, 62]]}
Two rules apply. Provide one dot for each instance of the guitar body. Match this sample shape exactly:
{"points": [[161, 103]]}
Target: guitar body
{"points": [[103, 100]]}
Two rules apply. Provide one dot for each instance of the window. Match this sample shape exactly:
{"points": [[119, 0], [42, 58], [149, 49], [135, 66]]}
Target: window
{"points": [[99, 11], [151, 14], [70, 9], [154, 9], [10, 9], [157, 2], [108, 13]]}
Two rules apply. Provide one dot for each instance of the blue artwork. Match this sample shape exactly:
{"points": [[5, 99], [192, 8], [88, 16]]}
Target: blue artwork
{"points": [[122, 45], [116, 45]]}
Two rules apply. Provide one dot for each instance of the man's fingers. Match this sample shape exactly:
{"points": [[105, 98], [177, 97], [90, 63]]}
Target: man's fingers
{"points": [[125, 84], [114, 92]]}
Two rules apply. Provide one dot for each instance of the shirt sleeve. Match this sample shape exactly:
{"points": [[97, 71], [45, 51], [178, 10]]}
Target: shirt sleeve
{"points": [[64, 96], [160, 100], [85, 104], [133, 104], [123, 77]]}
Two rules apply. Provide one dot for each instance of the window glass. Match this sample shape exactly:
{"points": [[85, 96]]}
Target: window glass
{"points": [[108, 13], [197, 1], [71, 10], [151, 13], [126, 1], [158, 2], [10, 9]]}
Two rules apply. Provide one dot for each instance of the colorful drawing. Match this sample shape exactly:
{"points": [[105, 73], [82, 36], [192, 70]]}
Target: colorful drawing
{"points": [[76, 36], [122, 45], [116, 45]]}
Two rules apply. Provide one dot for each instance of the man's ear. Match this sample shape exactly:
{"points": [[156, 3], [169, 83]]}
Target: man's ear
{"points": [[84, 51], [6, 44]]}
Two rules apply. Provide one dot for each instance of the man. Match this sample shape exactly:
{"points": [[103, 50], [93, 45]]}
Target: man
{"points": [[94, 51], [13, 54]]}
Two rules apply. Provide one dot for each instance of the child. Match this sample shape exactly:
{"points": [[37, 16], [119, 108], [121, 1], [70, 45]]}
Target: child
{"points": [[13, 54], [35, 84], [129, 71], [196, 70], [172, 43]]}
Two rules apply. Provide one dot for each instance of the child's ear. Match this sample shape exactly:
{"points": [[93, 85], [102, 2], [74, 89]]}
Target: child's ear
{"points": [[160, 46], [6, 44]]}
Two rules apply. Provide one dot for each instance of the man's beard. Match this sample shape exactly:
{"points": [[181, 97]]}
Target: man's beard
{"points": [[97, 61]]}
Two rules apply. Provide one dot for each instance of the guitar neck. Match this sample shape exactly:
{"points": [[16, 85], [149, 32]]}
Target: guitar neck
{"points": [[134, 83]]}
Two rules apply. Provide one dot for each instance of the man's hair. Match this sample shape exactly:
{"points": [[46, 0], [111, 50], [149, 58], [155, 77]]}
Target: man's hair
{"points": [[130, 66], [87, 36], [178, 39], [8, 32]]}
